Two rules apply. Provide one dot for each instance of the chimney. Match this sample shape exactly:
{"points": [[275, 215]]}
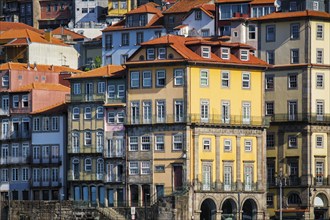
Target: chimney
{"points": [[35, 66], [48, 35]]}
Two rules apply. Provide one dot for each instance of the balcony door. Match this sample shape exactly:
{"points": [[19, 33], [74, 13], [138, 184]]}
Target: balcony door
{"points": [[89, 91], [292, 105]]}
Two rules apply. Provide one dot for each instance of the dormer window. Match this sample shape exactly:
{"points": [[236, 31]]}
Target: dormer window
{"points": [[5, 81], [150, 54], [225, 53], [206, 52], [244, 55], [161, 53], [198, 15], [123, 5], [143, 20]]}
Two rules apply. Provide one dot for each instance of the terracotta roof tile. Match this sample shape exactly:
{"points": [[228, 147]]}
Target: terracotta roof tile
{"points": [[55, 109], [40, 67], [5, 26], [105, 71], [261, 2], [64, 31], [184, 6], [231, 1], [20, 41], [28, 34], [181, 45], [42, 86], [146, 8], [295, 14]]}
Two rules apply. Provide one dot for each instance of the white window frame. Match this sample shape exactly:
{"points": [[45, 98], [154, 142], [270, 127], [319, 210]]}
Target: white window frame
{"points": [[161, 53], [225, 53], [88, 113], [55, 123], [225, 79], [206, 52], [15, 101], [147, 79], [177, 141], [88, 165], [133, 145], [135, 79], [111, 91], [248, 145], [160, 77], [150, 53], [206, 144], [159, 142], [101, 87], [145, 143], [244, 55], [204, 78], [5, 81], [246, 80], [178, 77], [319, 31], [76, 88], [88, 138], [120, 91], [133, 168], [75, 113], [227, 145], [319, 141], [99, 112], [145, 167]]}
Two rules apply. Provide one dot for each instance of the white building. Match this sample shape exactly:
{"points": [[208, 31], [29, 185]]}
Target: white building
{"points": [[88, 11], [122, 39]]}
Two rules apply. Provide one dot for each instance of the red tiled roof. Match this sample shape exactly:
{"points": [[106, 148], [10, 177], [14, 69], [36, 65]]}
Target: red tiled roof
{"points": [[20, 41], [5, 26], [64, 31], [231, 1], [146, 8], [52, 110], [42, 86], [40, 67], [261, 2], [28, 34], [208, 9], [184, 6], [104, 71], [180, 45], [295, 14]]}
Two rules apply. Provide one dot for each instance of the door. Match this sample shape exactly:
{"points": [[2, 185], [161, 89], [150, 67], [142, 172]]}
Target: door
{"points": [[206, 177], [246, 113], [89, 91], [178, 175], [225, 112], [5, 129], [292, 111]]}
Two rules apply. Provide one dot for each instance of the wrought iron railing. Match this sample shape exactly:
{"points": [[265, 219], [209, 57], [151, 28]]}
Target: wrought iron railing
{"points": [[302, 117]]}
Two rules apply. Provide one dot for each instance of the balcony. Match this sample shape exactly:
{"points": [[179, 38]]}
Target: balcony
{"points": [[4, 112], [47, 160], [48, 182], [114, 154], [113, 178], [84, 150], [321, 181], [213, 119], [311, 118], [228, 187], [85, 176], [115, 100], [15, 135], [15, 160], [293, 181], [85, 98]]}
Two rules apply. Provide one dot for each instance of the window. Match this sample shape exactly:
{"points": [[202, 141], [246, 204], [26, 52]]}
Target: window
{"points": [[25, 174], [294, 31], [248, 145], [252, 32], [146, 76], [5, 81], [135, 112], [292, 140], [205, 32], [75, 142], [178, 111], [227, 145], [319, 141], [319, 166], [293, 6], [150, 54], [120, 91], [133, 143], [269, 108], [36, 124], [246, 111], [178, 77], [139, 38], [108, 59], [55, 123], [225, 79], [246, 80], [204, 78], [160, 111], [204, 111], [160, 80], [158, 34], [99, 141], [123, 5], [45, 124], [108, 41], [270, 200], [319, 56], [142, 20], [319, 81], [161, 53], [227, 178], [198, 15], [315, 5], [124, 39], [99, 112], [177, 142], [206, 52], [84, 10], [88, 165], [133, 168], [270, 33], [135, 79], [100, 87], [111, 91], [269, 82], [171, 20], [123, 58], [292, 79], [5, 103], [15, 174], [147, 112], [88, 138], [55, 152], [319, 110], [248, 177], [160, 169], [75, 113], [159, 142], [207, 144], [88, 113], [206, 173], [319, 32], [292, 110], [120, 117], [270, 56], [145, 143], [15, 101], [225, 112], [48, 8], [244, 55], [225, 53], [270, 140], [145, 167], [294, 56], [294, 199], [111, 117]]}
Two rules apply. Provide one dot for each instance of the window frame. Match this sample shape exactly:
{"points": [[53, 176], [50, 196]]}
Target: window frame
{"points": [[319, 143], [248, 144], [269, 111], [161, 53], [227, 145], [317, 82], [87, 113], [124, 39], [292, 84], [207, 143], [294, 56], [204, 78], [319, 56], [135, 83], [88, 138], [88, 166], [177, 142], [294, 34], [150, 53], [292, 141], [319, 33], [206, 51], [159, 142], [160, 78], [144, 78], [178, 78], [226, 79], [75, 113], [225, 53], [246, 81], [134, 168], [135, 143], [270, 36]]}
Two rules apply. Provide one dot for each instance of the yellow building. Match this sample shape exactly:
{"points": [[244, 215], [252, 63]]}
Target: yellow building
{"points": [[195, 127]]}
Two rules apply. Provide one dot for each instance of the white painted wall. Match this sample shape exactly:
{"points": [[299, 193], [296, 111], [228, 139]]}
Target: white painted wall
{"points": [[79, 16], [51, 54], [205, 23]]}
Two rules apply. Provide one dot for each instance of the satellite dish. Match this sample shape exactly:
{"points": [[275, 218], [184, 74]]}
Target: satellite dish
{"points": [[277, 4]]}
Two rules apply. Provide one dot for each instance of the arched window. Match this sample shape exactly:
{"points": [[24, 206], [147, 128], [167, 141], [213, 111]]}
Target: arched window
{"points": [[75, 142], [75, 169], [75, 113], [88, 164], [100, 166], [99, 141], [294, 199]]}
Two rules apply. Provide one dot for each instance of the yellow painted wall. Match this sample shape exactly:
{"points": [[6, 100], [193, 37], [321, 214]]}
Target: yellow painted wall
{"points": [[320, 43], [319, 152]]}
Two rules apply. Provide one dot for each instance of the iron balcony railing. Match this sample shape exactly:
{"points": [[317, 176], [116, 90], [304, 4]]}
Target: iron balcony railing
{"points": [[47, 160], [85, 97], [46, 182], [114, 153], [246, 187], [4, 112], [302, 117], [236, 120], [15, 160], [91, 176], [321, 181], [84, 150], [15, 135]]}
